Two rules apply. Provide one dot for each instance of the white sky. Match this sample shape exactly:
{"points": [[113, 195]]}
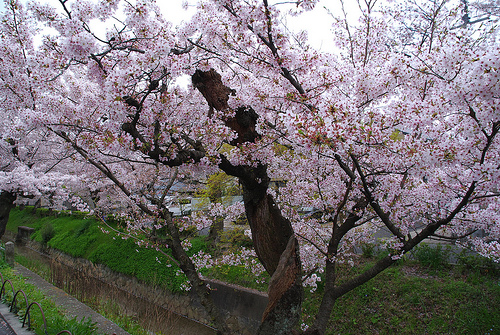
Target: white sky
{"points": [[317, 22]]}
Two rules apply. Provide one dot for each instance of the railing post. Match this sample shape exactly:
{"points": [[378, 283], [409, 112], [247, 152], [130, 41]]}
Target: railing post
{"points": [[9, 253], [23, 235]]}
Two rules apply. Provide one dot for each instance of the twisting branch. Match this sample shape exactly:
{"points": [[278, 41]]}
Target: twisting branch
{"points": [[433, 227], [183, 260], [270, 44], [187, 49], [314, 244], [119, 233], [153, 150], [374, 204], [338, 233], [444, 237], [344, 167], [63, 3], [99, 63]]}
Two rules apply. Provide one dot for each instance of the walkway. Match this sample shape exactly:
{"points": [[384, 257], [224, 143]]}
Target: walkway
{"points": [[5, 329], [10, 324], [69, 304]]}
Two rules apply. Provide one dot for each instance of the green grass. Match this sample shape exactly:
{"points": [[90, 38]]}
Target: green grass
{"points": [[56, 321], [112, 311], [412, 299], [238, 275], [84, 237], [42, 269]]}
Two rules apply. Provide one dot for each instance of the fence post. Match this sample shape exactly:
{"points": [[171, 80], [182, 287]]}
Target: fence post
{"points": [[9, 253]]}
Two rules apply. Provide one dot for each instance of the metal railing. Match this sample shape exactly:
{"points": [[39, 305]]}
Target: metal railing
{"points": [[27, 315]]}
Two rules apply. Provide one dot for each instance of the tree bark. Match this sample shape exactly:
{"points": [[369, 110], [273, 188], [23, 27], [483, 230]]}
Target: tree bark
{"points": [[6, 204], [285, 293], [270, 230]]}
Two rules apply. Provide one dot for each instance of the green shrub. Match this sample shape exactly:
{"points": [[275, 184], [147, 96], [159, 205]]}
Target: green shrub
{"points": [[433, 257], [187, 230], [62, 213], [477, 263], [84, 226], [368, 249], [236, 238], [43, 212], [47, 232], [197, 244], [241, 220], [79, 214]]}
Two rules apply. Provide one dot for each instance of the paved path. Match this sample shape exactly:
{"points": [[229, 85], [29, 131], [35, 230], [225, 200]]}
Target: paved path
{"points": [[5, 328], [71, 305], [10, 324]]}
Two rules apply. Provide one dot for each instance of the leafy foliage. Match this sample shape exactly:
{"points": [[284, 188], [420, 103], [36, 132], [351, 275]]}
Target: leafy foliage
{"points": [[219, 186], [432, 256], [47, 233], [472, 262], [235, 238]]}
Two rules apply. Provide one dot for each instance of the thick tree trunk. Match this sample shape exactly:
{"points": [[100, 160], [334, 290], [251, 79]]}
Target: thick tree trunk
{"points": [[277, 249], [6, 204], [272, 234], [275, 245], [270, 230], [285, 293]]}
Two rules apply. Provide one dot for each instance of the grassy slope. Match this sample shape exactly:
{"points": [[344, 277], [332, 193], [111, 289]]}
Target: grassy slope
{"points": [[83, 237], [412, 299]]}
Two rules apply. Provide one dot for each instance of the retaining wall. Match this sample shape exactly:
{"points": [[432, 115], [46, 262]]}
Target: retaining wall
{"points": [[242, 307]]}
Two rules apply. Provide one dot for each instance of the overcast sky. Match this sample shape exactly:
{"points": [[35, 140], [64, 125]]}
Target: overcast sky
{"points": [[316, 22]]}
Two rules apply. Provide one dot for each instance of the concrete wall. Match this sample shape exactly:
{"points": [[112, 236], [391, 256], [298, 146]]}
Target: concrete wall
{"points": [[243, 307]]}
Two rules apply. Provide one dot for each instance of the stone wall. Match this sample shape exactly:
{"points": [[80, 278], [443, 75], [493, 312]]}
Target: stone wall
{"points": [[242, 307]]}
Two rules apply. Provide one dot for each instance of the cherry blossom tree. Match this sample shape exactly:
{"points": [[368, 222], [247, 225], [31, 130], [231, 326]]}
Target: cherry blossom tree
{"points": [[396, 130], [31, 163]]}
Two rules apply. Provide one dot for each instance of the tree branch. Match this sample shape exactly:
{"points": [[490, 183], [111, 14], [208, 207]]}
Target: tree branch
{"points": [[373, 203]]}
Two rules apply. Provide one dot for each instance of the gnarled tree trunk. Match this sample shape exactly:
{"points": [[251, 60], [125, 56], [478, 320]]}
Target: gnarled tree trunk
{"points": [[272, 234]]}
